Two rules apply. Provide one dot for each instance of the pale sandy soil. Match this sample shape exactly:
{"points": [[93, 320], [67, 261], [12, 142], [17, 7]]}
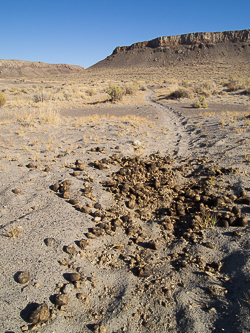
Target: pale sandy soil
{"points": [[191, 286]]}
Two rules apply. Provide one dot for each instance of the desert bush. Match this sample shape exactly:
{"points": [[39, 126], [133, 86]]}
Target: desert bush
{"points": [[2, 99], [179, 93], [41, 97], [231, 86], [90, 91], [24, 90], [114, 92], [129, 90], [200, 103]]}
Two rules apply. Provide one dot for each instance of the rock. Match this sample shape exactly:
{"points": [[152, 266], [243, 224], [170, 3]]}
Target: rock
{"points": [[152, 245], [80, 167], [76, 174], [131, 204], [70, 249], [237, 233], [31, 165], [17, 191], [223, 223], [67, 288], [97, 205], [73, 201], [47, 169], [23, 277], [209, 245], [73, 277], [61, 299], [55, 187], [246, 201], [66, 195], [66, 182], [242, 221], [236, 210], [83, 243], [50, 242], [40, 315], [145, 271], [86, 210], [167, 292]]}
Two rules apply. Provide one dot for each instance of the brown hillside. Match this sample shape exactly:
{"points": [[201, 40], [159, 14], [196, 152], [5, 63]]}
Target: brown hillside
{"points": [[20, 68], [227, 48]]}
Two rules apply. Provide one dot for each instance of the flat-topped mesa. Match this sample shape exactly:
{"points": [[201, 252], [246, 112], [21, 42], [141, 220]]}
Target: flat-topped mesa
{"points": [[190, 39]]}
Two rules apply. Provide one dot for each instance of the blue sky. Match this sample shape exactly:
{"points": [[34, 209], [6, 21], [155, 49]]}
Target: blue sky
{"points": [[84, 32]]}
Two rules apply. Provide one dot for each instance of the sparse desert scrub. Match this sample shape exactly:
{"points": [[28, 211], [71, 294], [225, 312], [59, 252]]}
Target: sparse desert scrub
{"points": [[2, 99], [115, 92], [179, 93], [200, 103]]}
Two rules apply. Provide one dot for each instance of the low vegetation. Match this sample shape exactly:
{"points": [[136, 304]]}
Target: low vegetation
{"points": [[2, 99]]}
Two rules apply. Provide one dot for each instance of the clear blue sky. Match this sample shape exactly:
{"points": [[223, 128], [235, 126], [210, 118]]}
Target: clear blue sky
{"points": [[82, 32]]}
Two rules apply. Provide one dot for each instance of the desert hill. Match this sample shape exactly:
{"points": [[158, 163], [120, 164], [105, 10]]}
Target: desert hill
{"points": [[20, 68], [229, 48]]}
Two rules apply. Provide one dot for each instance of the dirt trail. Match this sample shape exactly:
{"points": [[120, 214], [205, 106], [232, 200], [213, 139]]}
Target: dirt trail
{"points": [[178, 137]]}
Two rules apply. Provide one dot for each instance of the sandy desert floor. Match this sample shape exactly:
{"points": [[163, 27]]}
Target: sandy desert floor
{"points": [[128, 218]]}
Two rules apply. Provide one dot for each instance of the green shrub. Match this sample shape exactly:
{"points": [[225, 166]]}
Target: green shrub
{"points": [[2, 99], [200, 103], [115, 93]]}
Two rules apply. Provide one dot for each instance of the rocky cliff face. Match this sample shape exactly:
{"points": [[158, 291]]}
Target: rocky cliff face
{"points": [[228, 48], [190, 39]]}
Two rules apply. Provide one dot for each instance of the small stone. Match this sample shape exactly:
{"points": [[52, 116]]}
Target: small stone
{"points": [[152, 245], [242, 221], [246, 201], [40, 315], [17, 191], [90, 235], [70, 249], [73, 277], [83, 243], [67, 288], [50, 242], [237, 233], [55, 187], [61, 299], [80, 167], [145, 271], [73, 201], [66, 182], [76, 174], [131, 204], [66, 195], [31, 165], [23, 277], [97, 206], [97, 219], [86, 210], [209, 245], [167, 292], [47, 169], [224, 224], [25, 328], [37, 285], [236, 210]]}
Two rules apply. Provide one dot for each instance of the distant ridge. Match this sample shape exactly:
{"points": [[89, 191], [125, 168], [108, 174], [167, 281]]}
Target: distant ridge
{"points": [[21, 68], [190, 48]]}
